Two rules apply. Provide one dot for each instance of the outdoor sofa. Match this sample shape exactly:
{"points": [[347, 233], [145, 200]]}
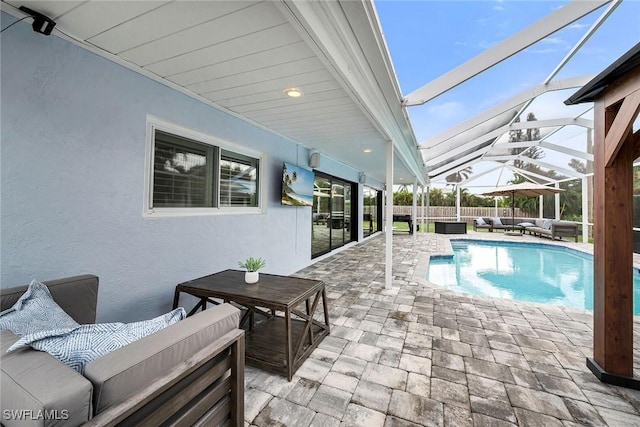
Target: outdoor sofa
{"points": [[540, 227], [491, 224], [554, 229], [187, 373]]}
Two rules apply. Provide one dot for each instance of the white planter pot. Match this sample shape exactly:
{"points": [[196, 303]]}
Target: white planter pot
{"points": [[251, 276]]}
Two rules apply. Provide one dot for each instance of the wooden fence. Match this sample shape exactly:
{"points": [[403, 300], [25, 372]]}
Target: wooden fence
{"points": [[467, 214]]}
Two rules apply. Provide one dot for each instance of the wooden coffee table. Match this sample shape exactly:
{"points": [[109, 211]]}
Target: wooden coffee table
{"points": [[280, 335]]}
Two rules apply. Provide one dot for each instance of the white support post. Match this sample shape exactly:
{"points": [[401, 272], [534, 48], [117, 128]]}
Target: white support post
{"points": [[458, 203], [388, 242], [414, 209], [557, 202], [495, 210], [541, 207], [428, 209], [585, 210], [423, 211]]}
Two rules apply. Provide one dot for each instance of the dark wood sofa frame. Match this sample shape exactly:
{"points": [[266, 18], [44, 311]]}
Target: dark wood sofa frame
{"points": [[213, 395]]}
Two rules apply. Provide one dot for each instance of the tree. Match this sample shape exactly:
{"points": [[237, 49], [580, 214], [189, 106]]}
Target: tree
{"points": [[436, 198], [460, 175], [533, 152], [403, 197], [578, 166]]}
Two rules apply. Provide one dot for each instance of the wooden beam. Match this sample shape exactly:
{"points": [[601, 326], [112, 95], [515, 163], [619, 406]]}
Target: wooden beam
{"points": [[621, 127], [613, 249]]}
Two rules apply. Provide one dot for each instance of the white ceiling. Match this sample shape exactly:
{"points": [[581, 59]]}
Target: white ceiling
{"points": [[241, 55]]}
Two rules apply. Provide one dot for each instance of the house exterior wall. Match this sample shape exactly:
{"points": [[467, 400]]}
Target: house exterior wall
{"points": [[72, 180]]}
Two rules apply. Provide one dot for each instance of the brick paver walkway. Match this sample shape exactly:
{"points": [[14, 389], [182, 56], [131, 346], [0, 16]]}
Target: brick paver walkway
{"points": [[420, 355]]}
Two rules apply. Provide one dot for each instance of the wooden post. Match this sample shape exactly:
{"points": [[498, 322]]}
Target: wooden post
{"points": [[614, 153]]}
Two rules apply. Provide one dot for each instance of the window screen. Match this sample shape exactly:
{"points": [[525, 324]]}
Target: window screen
{"points": [[191, 174], [238, 180]]}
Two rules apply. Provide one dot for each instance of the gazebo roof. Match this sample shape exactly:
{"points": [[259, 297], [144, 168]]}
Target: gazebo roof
{"points": [[622, 66]]}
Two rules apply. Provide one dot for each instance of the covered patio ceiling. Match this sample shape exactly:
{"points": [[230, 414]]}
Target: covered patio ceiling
{"points": [[241, 55]]}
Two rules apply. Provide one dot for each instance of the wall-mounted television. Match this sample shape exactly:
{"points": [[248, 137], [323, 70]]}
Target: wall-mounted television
{"points": [[297, 186]]}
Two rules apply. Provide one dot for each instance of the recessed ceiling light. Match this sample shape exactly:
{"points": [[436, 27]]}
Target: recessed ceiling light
{"points": [[367, 150], [293, 92]]}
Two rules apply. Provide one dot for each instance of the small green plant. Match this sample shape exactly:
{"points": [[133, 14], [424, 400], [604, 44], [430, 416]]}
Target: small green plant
{"points": [[252, 264]]}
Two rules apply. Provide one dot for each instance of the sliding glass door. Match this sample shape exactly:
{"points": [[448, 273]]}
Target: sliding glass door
{"points": [[371, 211], [332, 214]]}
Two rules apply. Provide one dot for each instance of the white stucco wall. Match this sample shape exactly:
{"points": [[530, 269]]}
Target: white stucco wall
{"points": [[72, 179]]}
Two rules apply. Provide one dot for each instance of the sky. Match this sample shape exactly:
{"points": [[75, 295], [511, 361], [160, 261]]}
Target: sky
{"points": [[428, 38]]}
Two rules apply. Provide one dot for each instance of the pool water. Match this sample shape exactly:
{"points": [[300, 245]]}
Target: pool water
{"points": [[526, 272]]}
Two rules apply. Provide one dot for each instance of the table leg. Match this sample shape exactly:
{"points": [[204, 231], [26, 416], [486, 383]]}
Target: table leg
{"points": [[310, 327], [287, 320], [176, 298], [326, 309]]}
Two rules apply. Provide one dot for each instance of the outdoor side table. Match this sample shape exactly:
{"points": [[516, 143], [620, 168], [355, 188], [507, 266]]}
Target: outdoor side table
{"points": [[450, 227], [280, 334]]}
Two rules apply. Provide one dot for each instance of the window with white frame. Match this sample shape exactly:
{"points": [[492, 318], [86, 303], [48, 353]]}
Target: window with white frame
{"points": [[190, 175]]}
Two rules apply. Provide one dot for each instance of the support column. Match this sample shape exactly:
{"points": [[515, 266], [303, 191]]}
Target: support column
{"points": [[428, 209], [557, 202], [613, 253], [585, 210], [457, 203], [423, 210], [541, 207], [414, 209], [388, 240]]}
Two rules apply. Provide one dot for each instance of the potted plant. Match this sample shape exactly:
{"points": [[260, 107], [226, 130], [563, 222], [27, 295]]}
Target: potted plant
{"points": [[252, 265]]}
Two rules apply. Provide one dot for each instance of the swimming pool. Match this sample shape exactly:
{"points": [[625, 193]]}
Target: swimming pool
{"points": [[533, 272]]}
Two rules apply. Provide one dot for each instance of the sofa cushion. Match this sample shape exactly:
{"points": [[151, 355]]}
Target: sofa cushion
{"points": [[78, 346], [35, 311], [33, 382], [129, 369]]}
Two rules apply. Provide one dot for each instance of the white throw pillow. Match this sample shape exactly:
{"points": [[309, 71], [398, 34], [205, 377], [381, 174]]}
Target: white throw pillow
{"points": [[527, 224], [480, 221], [496, 221], [547, 224], [77, 347], [35, 311]]}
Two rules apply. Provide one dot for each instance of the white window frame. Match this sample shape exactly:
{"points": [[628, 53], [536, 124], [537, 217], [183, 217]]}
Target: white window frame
{"points": [[156, 123]]}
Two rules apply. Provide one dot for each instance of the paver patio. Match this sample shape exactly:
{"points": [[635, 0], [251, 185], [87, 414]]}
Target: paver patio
{"points": [[420, 355]]}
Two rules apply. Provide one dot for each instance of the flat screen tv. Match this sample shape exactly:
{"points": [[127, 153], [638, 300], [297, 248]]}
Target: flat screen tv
{"points": [[297, 186]]}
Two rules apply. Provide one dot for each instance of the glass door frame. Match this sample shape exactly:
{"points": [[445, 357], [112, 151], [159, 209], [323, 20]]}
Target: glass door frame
{"points": [[349, 224], [366, 190]]}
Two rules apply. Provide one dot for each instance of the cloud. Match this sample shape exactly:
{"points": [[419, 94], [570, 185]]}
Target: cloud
{"points": [[446, 110], [542, 51], [577, 26], [500, 8], [480, 45], [548, 45], [553, 40]]}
